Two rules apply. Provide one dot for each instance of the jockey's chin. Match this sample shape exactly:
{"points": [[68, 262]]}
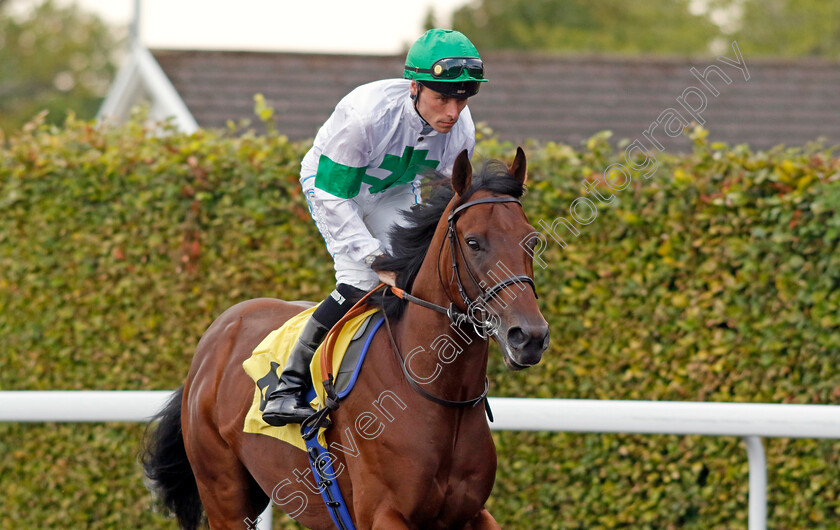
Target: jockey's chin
{"points": [[444, 127]]}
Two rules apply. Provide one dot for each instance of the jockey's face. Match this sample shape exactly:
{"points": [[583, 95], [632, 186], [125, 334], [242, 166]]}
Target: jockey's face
{"points": [[441, 112]]}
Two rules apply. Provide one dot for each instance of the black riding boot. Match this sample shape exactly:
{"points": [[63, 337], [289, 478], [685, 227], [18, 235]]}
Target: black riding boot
{"points": [[288, 403]]}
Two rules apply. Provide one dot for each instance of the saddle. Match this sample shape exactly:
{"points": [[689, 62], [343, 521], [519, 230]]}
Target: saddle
{"points": [[270, 356]]}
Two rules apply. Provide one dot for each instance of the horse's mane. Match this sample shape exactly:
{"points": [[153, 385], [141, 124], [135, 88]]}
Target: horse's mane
{"points": [[410, 240]]}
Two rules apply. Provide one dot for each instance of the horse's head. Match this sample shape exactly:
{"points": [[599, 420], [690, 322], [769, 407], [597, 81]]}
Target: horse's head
{"points": [[488, 271]]}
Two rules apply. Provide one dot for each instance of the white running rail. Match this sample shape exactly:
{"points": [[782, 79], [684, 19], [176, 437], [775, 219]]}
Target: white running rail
{"points": [[749, 421]]}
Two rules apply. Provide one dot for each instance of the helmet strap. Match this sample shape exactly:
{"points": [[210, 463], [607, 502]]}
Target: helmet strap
{"points": [[416, 97]]}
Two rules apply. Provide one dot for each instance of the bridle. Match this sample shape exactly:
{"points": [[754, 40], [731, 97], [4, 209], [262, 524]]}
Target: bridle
{"points": [[483, 325], [484, 328]]}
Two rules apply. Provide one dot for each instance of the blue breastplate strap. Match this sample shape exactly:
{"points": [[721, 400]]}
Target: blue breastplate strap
{"points": [[327, 482], [321, 462]]}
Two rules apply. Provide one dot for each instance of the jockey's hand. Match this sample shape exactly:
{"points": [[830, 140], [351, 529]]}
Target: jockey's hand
{"points": [[387, 277]]}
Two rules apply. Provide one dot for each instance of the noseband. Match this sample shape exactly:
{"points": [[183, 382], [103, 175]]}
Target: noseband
{"points": [[482, 322], [484, 327]]}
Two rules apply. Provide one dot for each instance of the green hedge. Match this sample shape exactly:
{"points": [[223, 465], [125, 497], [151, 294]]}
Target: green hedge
{"points": [[714, 280]]}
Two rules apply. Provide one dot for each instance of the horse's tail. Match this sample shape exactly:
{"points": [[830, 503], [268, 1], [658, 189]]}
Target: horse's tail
{"points": [[167, 468]]}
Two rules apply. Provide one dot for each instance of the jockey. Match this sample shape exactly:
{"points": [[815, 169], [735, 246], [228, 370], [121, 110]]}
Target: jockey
{"points": [[364, 167]]}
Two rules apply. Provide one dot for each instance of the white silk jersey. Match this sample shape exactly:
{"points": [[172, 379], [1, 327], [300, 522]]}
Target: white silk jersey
{"points": [[369, 157]]}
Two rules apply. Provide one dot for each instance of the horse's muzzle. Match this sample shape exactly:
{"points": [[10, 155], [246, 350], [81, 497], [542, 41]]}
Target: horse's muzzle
{"points": [[524, 346]]}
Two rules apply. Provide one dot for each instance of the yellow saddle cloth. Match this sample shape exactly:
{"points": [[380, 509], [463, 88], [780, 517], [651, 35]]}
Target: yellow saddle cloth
{"points": [[276, 348]]}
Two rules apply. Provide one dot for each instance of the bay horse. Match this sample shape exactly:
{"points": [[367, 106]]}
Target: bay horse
{"points": [[410, 446]]}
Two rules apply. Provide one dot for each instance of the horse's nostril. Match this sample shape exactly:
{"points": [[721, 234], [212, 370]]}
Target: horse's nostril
{"points": [[546, 339], [517, 338]]}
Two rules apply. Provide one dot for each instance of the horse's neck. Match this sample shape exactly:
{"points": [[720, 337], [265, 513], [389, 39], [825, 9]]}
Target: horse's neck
{"points": [[456, 354], [449, 361]]}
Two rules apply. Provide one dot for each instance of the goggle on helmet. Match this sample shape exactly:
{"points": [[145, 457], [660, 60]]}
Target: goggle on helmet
{"points": [[446, 62]]}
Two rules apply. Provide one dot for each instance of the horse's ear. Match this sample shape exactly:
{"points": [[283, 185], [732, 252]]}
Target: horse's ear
{"points": [[462, 173], [517, 169]]}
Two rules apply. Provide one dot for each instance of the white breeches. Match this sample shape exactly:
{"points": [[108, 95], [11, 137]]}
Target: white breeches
{"points": [[378, 212]]}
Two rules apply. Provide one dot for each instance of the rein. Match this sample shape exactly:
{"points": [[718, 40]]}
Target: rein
{"points": [[483, 326], [309, 427], [415, 385]]}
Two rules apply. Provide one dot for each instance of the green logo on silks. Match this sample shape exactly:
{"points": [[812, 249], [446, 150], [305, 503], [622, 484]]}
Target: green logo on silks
{"points": [[403, 169]]}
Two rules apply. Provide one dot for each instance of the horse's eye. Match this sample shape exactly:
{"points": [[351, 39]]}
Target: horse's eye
{"points": [[473, 244]]}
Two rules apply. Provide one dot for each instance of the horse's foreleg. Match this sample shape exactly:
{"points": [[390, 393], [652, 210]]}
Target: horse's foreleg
{"points": [[483, 521]]}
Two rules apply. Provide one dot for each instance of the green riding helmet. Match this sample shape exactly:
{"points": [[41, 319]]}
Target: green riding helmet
{"points": [[447, 62]]}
